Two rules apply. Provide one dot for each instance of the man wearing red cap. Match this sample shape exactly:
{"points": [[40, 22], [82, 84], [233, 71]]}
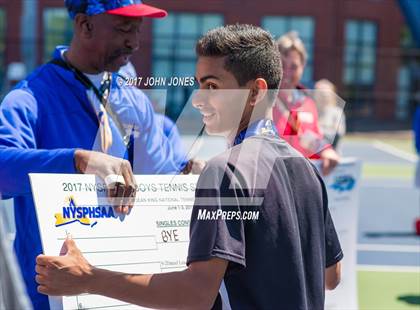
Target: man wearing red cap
{"points": [[72, 116]]}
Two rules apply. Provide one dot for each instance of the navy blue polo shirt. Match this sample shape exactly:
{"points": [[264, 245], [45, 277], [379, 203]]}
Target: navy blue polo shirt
{"points": [[263, 207]]}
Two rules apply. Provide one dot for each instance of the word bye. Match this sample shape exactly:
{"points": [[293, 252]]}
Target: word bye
{"points": [[170, 235]]}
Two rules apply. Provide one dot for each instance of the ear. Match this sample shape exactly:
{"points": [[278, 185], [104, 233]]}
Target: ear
{"points": [[258, 90], [83, 25]]}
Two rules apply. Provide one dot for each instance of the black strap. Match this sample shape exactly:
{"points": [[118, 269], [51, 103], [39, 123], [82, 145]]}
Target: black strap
{"points": [[81, 77]]}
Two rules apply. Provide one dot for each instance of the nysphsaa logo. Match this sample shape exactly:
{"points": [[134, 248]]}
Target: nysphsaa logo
{"points": [[85, 215]]}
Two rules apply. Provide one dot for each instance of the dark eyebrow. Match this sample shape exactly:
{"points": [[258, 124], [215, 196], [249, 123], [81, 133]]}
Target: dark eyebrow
{"points": [[204, 78], [126, 22]]}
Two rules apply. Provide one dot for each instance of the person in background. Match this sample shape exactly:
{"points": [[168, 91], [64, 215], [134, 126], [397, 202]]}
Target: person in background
{"points": [[295, 114], [332, 121]]}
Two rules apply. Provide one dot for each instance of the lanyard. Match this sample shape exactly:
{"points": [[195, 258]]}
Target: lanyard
{"points": [[102, 94], [264, 127], [104, 90]]}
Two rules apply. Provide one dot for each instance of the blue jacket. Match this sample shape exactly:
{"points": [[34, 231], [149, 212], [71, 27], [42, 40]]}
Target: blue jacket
{"points": [[417, 128], [42, 122]]}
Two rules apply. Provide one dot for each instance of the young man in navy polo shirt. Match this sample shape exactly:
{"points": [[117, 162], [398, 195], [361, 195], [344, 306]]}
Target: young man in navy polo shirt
{"points": [[260, 228]]}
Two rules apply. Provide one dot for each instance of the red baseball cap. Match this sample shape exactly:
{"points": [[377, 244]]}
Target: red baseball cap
{"points": [[138, 10]]}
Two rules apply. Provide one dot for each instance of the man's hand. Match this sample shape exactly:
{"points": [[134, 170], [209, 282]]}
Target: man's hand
{"points": [[194, 166], [63, 275], [330, 159], [122, 190]]}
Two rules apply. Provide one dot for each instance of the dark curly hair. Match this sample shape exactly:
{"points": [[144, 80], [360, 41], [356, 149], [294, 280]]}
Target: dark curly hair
{"points": [[249, 50]]}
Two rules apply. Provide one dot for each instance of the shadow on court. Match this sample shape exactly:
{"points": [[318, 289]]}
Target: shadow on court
{"points": [[410, 299]]}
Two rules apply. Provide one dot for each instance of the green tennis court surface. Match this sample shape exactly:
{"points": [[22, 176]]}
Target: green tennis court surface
{"points": [[380, 290]]}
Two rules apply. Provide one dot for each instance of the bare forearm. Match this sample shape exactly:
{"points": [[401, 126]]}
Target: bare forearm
{"points": [[333, 276], [175, 290], [71, 274]]}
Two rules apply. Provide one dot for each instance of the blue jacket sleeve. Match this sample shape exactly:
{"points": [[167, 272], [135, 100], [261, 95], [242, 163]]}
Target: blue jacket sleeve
{"points": [[153, 152], [19, 155], [417, 129], [174, 138]]}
